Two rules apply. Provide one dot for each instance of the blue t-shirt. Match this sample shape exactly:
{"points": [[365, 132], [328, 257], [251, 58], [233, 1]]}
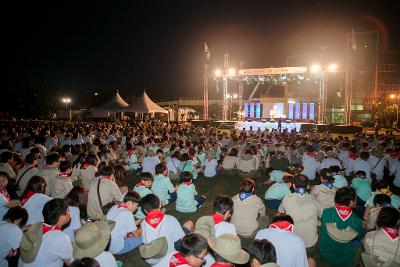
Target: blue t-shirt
{"points": [[185, 198], [161, 187], [340, 181], [276, 176], [395, 200], [277, 191], [362, 188]]}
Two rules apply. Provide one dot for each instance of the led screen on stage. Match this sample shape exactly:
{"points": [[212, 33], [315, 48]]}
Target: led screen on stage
{"points": [[258, 110], [291, 106], [297, 113], [251, 110], [312, 111], [273, 110], [304, 113], [245, 110]]}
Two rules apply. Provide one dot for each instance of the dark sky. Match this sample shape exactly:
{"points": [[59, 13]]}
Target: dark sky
{"points": [[71, 46]]}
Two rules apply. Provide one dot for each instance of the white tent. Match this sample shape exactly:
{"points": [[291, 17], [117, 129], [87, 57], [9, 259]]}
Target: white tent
{"points": [[144, 105], [116, 104]]}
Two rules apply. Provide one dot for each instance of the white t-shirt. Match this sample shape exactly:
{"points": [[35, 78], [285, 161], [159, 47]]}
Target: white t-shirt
{"points": [[224, 228], [34, 207], [169, 228], [166, 260], [3, 208], [210, 168], [311, 166], [149, 165], [124, 224], [289, 247], [56, 247], [329, 162], [75, 222], [10, 236], [106, 259], [173, 164]]}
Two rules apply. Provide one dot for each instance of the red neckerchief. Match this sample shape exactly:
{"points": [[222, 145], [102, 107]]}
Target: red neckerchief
{"points": [[122, 206], [344, 212], [187, 183], [311, 154], [26, 197], [85, 165], [393, 233], [283, 225], [130, 152], [47, 228], [63, 174], [218, 218], [394, 155], [353, 156], [140, 184], [5, 194], [220, 264], [154, 218], [178, 260]]}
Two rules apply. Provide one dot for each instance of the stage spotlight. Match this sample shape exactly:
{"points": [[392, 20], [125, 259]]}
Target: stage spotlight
{"points": [[231, 72], [235, 96], [392, 96], [315, 68], [218, 73], [332, 67]]}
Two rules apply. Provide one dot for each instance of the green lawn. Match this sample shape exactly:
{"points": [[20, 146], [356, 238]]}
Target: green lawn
{"points": [[210, 187]]}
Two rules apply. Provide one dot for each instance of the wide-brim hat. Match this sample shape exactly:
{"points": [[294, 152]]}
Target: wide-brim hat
{"points": [[91, 239], [341, 235], [373, 261], [270, 264], [31, 242], [156, 249], [228, 246]]}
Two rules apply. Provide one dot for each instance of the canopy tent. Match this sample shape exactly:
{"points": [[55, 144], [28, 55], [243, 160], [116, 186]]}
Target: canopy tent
{"points": [[144, 105], [116, 104]]}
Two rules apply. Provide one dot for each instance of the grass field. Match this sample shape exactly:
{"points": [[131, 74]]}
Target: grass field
{"points": [[210, 187]]}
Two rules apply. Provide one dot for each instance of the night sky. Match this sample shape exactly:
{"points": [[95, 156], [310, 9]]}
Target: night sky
{"points": [[70, 46]]}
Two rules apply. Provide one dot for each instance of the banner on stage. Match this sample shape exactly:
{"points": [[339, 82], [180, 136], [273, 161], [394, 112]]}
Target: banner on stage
{"points": [[272, 71]]}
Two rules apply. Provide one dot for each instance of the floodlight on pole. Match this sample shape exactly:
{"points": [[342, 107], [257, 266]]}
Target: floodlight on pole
{"points": [[218, 73], [332, 67], [231, 72], [315, 68], [66, 101]]}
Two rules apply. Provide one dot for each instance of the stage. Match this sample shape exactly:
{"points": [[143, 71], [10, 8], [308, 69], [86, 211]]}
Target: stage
{"points": [[267, 125]]}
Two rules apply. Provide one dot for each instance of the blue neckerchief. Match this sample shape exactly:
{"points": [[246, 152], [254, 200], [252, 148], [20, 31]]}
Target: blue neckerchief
{"points": [[329, 185], [244, 195], [301, 191]]}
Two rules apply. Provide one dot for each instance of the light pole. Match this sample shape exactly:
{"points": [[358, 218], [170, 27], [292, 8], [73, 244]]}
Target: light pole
{"points": [[66, 101], [392, 96], [322, 71]]}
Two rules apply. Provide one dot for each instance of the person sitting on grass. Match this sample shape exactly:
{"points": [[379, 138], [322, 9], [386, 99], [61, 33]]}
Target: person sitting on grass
{"points": [[324, 193], [187, 198], [11, 235], [304, 209], [280, 234], [380, 201], [362, 186], [381, 187], [144, 186], [187, 165], [157, 224], [384, 243], [125, 236], [62, 184], [278, 191], [249, 209], [338, 175], [339, 227], [210, 166], [132, 157], [162, 186]]}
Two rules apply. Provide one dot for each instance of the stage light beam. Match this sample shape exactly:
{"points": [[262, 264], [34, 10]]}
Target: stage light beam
{"points": [[315, 68], [218, 73]]}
